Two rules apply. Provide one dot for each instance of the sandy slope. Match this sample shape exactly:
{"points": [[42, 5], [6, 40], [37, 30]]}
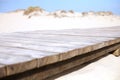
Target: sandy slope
{"points": [[107, 68], [12, 22]]}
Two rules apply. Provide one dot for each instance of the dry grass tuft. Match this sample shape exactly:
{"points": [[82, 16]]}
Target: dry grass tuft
{"points": [[103, 13], [32, 9], [71, 11]]}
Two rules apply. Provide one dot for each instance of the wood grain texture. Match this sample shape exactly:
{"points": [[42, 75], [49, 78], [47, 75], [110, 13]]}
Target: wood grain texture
{"points": [[16, 64], [23, 51], [51, 70], [21, 67], [2, 70], [117, 52]]}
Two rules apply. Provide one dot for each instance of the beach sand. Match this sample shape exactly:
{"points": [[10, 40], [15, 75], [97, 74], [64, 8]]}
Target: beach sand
{"points": [[16, 21], [107, 68]]}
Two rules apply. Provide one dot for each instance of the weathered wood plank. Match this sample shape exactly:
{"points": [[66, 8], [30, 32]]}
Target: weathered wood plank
{"points": [[50, 70], [56, 37], [57, 49], [16, 64], [48, 60], [2, 70], [43, 58], [21, 67], [42, 42], [86, 34], [106, 32], [36, 47], [86, 49], [63, 38], [24, 52], [55, 58], [80, 41], [117, 52], [39, 48]]}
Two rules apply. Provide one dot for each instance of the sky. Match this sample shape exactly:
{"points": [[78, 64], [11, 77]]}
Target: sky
{"points": [[53, 5]]}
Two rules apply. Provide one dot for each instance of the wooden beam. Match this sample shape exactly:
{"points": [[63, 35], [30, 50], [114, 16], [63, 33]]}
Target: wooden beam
{"points": [[44, 72], [2, 70], [117, 52]]}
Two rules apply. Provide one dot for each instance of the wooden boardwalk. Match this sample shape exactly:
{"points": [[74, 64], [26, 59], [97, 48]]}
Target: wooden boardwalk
{"points": [[24, 51]]}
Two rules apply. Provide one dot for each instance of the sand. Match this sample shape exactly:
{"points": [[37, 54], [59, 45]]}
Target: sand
{"points": [[16, 21], [107, 68]]}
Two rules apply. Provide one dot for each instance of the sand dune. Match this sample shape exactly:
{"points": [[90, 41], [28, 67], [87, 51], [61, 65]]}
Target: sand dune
{"points": [[17, 21]]}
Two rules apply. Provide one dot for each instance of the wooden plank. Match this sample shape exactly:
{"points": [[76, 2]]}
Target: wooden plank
{"points": [[117, 52], [88, 34], [24, 52], [63, 54], [48, 60], [41, 42], [51, 70], [102, 32], [55, 70], [16, 64], [57, 58], [74, 31], [63, 38], [36, 47], [21, 67], [56, 49], [2, 70], [79, 32], [43, 58], [40, 48], [110, 31], [21, 52], [55, 43], [81, 41], [56, 37], [76, 42], [68, 55]]}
